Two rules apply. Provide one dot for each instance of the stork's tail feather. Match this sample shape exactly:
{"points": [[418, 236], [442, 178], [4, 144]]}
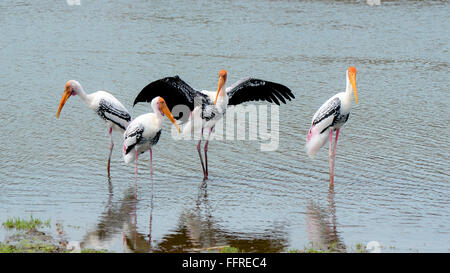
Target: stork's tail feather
{"points": [[129, 156], [314, 141]]}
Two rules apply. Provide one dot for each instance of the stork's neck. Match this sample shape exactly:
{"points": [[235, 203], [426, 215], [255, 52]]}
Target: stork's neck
{"points": [[222, 96], [222, 93], [348, 91], [222, 100], [78, 90], [158, 113]]}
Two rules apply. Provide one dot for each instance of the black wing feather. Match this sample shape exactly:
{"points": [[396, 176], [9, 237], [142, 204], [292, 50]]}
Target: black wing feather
{"points": [[279, 96], [107, 107], [173, 90], [133, 136], [258, 90], [333, 108]]}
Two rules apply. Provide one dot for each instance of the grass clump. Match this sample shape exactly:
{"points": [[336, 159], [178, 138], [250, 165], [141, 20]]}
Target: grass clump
{"points": [[22, 224], [6, 248], [307, 250], [27, 246], [229, 249], [360, 248], [90, 250], [28, 238]]}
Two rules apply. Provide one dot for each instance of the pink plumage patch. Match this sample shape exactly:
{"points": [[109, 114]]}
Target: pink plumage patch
{"points": [[315, 140], [309, 134]]}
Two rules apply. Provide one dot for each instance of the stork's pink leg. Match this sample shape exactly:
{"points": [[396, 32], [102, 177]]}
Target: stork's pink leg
{"points": [[206, 152], [330, 156], [200, 155], [111, 146], [334, 149]]}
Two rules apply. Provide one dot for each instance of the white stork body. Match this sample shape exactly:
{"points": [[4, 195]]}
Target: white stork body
{"points": [[141, 135], [115, 115], [329, 118], [144, 132], [211, 106], [217, 110], [110, 109]]}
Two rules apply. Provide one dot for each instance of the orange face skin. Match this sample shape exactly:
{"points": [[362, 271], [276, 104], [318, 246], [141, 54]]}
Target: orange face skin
{"points": [[166, 111], [352, 77], [67, 93], [223, 74], [222, 80]]}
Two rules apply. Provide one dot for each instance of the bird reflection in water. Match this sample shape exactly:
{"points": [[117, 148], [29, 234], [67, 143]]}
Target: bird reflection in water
{"points": [[322, 226], [134, 241], [197, 230], [119, 219]]}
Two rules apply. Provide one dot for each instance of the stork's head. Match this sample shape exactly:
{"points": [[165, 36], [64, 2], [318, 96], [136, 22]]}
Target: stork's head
{"points": [[351, 74], [222, 80], [71, 89], [160, 105]]}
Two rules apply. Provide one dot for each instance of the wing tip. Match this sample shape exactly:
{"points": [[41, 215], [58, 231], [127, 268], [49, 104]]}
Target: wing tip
{"points": [[284, 91]]}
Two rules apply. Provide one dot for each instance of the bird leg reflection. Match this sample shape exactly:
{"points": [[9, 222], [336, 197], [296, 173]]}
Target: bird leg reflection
{"points": [[135, 175], [151, 162], [151, 218]]}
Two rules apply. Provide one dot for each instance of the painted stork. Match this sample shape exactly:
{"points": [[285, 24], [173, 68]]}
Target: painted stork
{"points": [[104, 104], [329, 118], [211, 106], [144, 132]]}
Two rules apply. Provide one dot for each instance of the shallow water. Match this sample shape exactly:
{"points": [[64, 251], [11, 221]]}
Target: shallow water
{"points": [[392, 164]]}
